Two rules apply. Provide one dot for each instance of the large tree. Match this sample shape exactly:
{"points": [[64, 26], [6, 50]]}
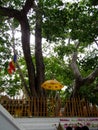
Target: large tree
{"points": [[56, 22]]}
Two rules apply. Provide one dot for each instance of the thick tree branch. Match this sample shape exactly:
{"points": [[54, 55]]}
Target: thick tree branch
{"points": [[74, 66], [90, 78], [12, 13], [9, 12]]}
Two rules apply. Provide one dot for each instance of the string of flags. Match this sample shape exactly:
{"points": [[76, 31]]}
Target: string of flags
{"points": [[11, 65]]}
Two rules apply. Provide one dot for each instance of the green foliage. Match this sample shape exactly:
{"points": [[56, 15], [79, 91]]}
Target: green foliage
{"points": [[63, 50], [54, 21], [89, 62], [14, 85], [89, 93], [77, 20], [94, 2], [57, 69], [16, 4], [15, 24], [83, 22]]}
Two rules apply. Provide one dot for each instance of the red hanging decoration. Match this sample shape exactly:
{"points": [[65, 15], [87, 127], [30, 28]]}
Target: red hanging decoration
{"points": [[11, 67]]}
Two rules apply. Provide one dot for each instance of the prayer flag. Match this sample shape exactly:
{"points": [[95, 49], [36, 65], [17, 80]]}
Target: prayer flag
{"points": [[15, 58], [11, 67]]}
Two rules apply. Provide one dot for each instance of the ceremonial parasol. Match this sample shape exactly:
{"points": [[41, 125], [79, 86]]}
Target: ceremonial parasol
{"points": [[52, 85]]}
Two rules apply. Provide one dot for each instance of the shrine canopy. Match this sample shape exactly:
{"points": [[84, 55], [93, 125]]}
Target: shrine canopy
{"points": [[52, 85]]}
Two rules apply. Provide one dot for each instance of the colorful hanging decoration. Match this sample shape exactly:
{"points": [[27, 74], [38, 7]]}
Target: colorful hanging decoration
{"points": [[11, 65]]}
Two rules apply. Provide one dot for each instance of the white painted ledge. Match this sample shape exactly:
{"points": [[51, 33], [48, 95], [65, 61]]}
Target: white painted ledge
{"points": [[7, 122]]}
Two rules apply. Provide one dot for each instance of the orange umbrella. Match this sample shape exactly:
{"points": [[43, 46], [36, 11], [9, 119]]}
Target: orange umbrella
{"points": [[52, 85]]}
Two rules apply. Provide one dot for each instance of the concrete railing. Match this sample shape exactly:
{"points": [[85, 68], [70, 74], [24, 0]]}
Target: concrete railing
{"points": [[7, 122], [52, 123]]}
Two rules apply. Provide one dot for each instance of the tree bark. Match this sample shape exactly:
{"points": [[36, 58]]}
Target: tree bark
{"points": [[27, 54], [40, 68], [80, 81]]}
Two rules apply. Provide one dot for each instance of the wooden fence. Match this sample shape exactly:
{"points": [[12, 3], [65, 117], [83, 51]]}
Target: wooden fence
{"points": [[49, 107], [77, 107]]}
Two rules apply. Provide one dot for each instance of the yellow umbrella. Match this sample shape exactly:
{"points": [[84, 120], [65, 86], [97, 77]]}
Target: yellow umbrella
{"points": [[52, 85]]}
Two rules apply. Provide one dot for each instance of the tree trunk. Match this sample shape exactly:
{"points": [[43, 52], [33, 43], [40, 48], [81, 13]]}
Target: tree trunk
{"points": [[38, 53], [27, 53]]}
